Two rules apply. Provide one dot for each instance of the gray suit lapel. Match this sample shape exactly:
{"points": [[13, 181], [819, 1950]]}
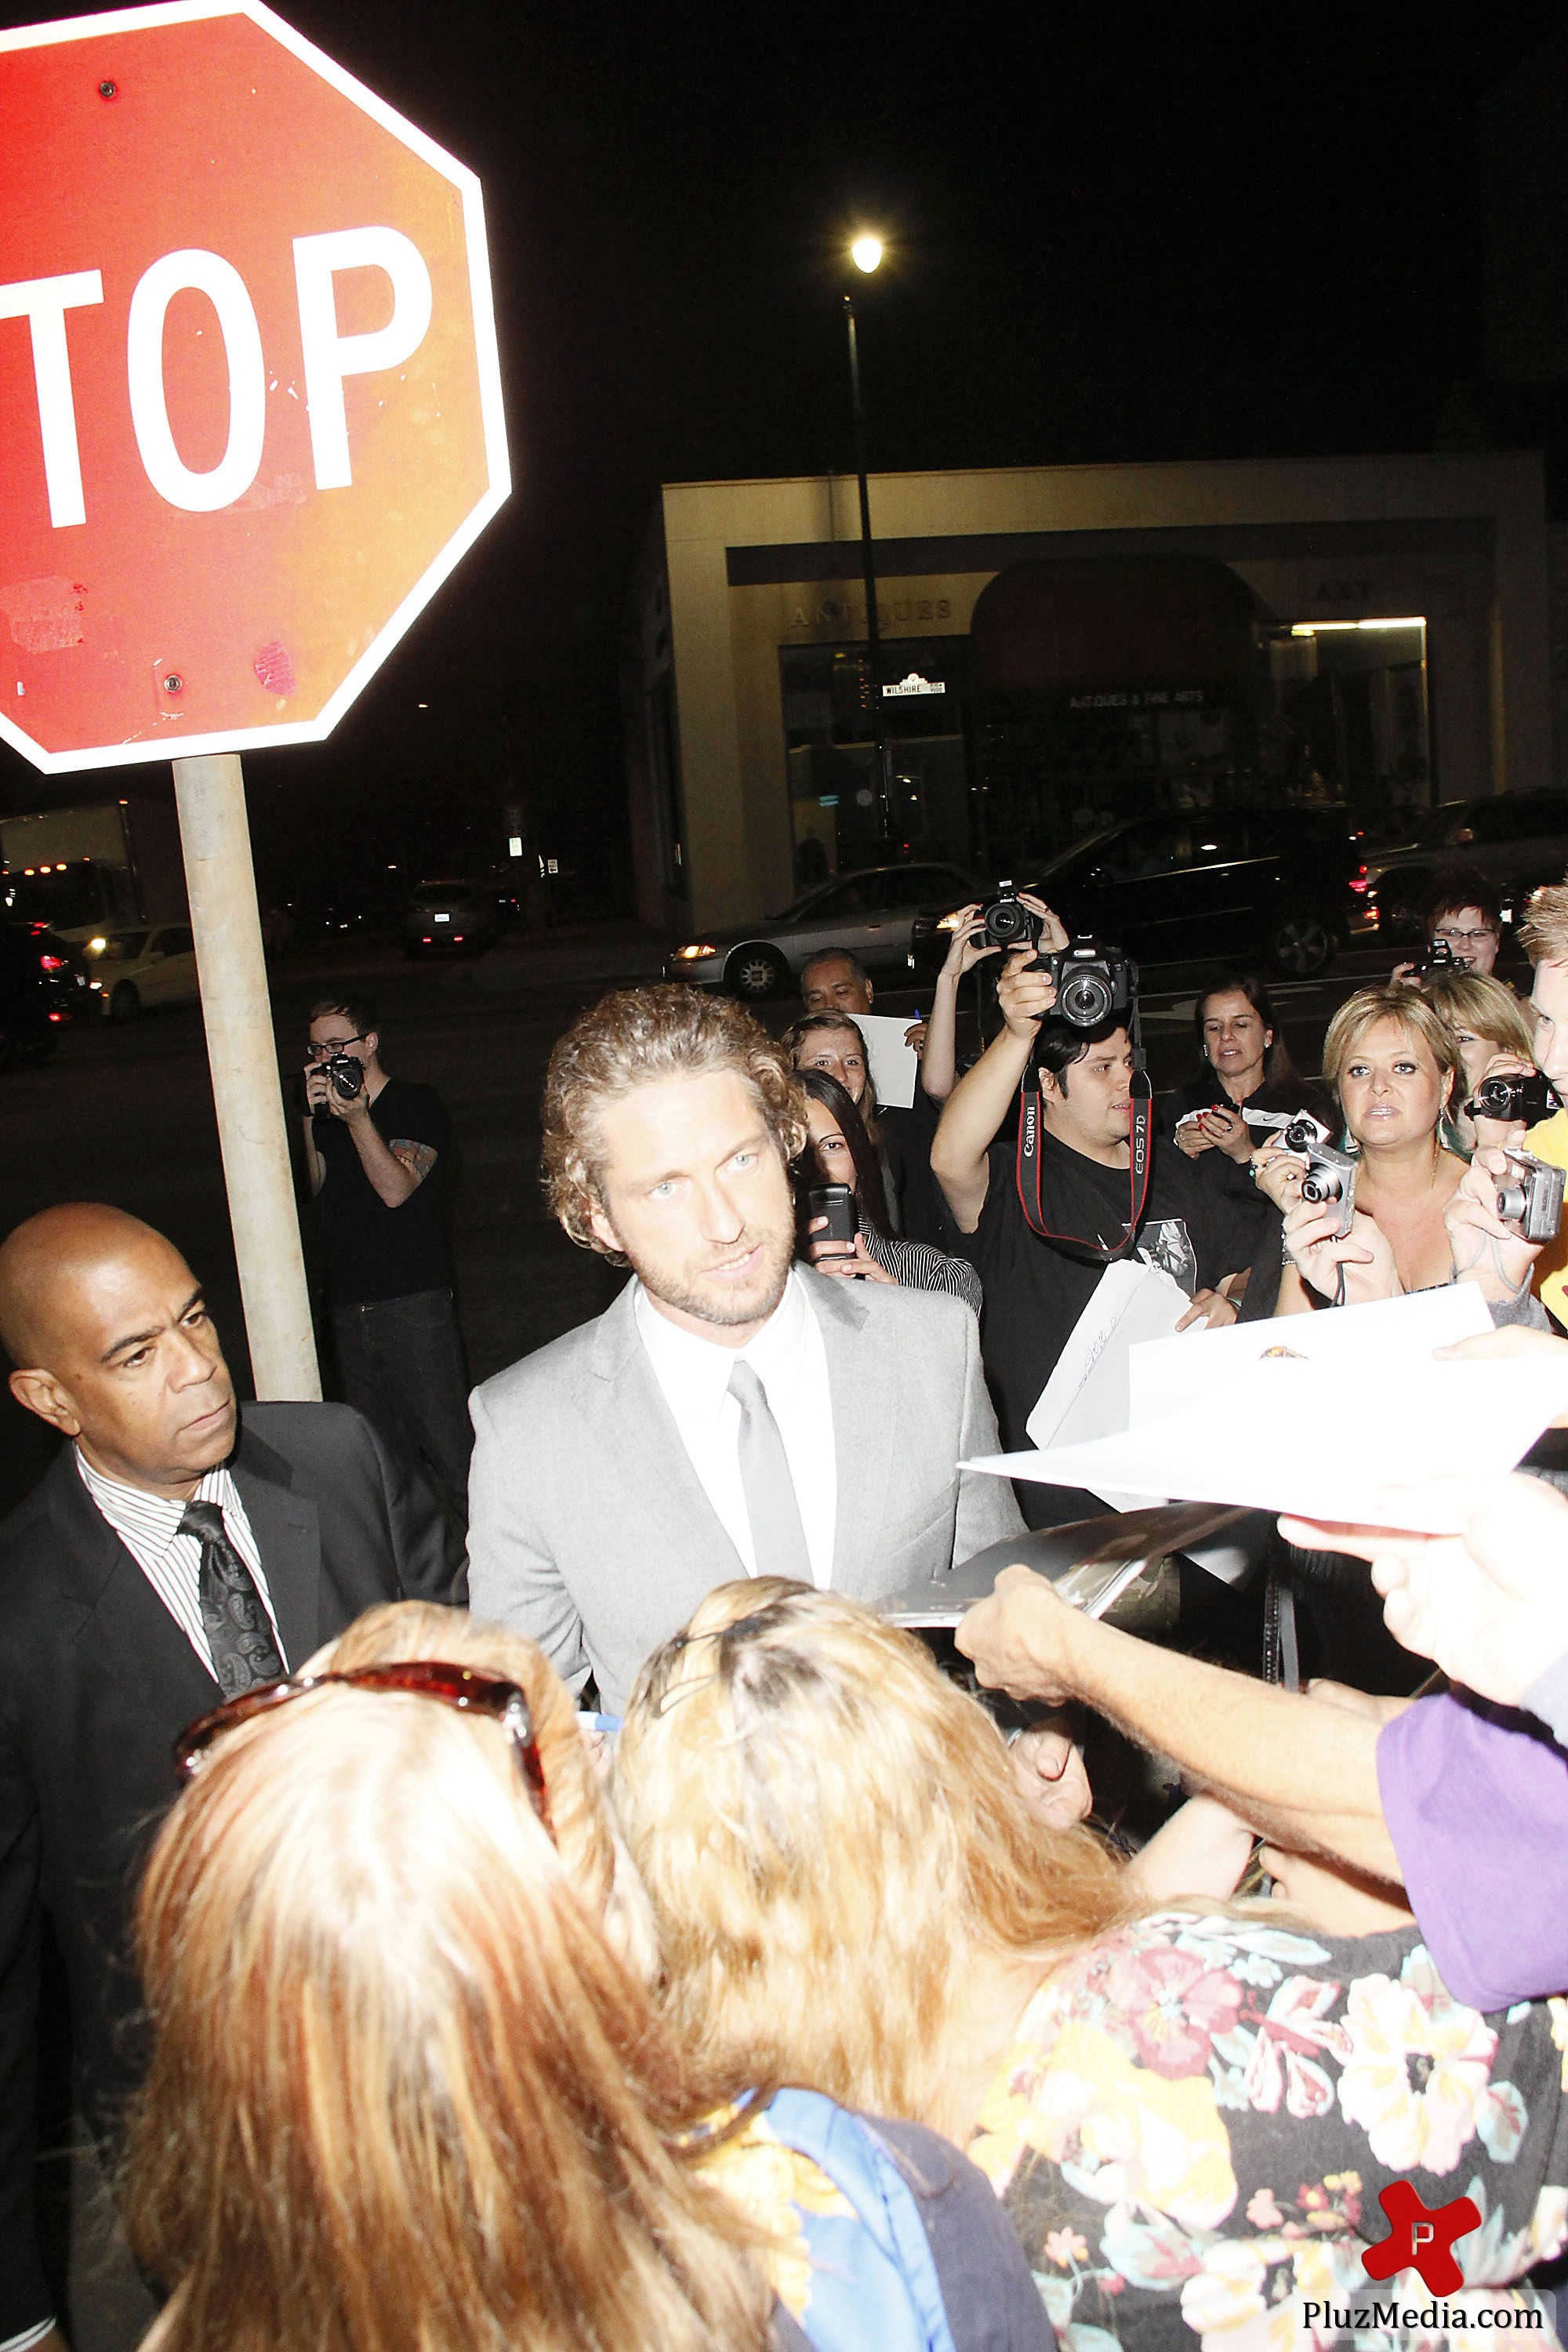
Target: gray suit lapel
{"points": [[287, 1532], [636, 1431], [863, 1384]]}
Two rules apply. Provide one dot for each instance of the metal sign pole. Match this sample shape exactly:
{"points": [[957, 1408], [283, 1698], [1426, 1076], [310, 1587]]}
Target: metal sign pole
{"points": [[237, 1010]]}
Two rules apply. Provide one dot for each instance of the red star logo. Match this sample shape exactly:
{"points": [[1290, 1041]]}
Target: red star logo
{"points": [[1421, 2238]]}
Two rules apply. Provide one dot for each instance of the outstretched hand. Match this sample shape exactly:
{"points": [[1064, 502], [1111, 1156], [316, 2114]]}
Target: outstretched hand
{"points": [[1488, 1605]]}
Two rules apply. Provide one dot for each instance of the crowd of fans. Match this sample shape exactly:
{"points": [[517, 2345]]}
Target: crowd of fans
{"points": [[666, 1950]]}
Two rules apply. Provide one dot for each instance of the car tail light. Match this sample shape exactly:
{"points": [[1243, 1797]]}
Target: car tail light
{"points": [[427, 942], [56, 1016], [51, 963], [1360, 879], [457, 938]]}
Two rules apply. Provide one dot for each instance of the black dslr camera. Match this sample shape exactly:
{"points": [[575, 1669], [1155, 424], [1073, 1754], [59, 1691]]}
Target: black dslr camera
{"points": [[344, 1075], [1512, 1095], [1440, 957], [1008, 922], [1095, 983], [1531, 1196]]}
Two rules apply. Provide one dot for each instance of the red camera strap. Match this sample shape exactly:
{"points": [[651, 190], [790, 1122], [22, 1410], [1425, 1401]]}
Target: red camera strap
{"points": [[1140, 1168]]}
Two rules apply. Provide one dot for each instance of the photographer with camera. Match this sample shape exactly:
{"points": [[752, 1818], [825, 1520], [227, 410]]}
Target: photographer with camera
{"points": [[376, 1149], [1464, 930], [1065, 1041], [1391, 1061], [1506, 1218]]}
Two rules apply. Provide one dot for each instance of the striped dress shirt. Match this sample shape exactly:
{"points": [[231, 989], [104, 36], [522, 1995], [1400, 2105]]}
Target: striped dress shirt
{"points": [[148, 1528]]}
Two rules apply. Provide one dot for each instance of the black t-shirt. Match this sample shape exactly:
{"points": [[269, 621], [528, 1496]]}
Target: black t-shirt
{"points": [[374, 1251], [1034, 1291]]}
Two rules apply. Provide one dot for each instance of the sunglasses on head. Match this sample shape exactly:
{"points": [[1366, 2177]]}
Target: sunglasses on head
{"points": [[457, 1686]]}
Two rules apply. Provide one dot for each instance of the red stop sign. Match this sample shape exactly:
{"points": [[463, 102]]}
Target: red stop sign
{"points": [[250, 410]]}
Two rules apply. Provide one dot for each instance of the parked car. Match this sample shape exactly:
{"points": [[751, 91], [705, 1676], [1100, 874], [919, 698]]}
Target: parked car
{"points": [[871, 912], [43, 986], [1518, 840], [445, 918], [1283, 886], [134, 970]]}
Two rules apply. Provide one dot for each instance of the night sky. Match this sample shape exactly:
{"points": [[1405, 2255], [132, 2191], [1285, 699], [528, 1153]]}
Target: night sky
{"points": [[1118, 232]]}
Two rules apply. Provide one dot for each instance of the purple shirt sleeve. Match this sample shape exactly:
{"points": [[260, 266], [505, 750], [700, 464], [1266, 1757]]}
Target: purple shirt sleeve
{"points": [[1476, 1798]]}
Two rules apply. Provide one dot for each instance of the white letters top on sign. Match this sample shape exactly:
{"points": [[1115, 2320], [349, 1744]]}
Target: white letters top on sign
{"points": [[329, 356], [45, 301]]}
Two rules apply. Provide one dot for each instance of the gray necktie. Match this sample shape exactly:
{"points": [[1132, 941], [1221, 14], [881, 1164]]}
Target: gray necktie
{"points": [[234, 1615], [778, 1539]]}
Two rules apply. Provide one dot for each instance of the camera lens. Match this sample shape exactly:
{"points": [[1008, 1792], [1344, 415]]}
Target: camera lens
{"points": [[1008, 920], [1322, 1185], [1511, 1203], [1085, 1001]]}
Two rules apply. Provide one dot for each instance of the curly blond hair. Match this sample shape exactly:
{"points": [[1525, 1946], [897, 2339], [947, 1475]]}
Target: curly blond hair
{"points": [[632, 1038]]}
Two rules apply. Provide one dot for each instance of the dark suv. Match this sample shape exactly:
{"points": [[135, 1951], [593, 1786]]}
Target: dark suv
{"points": [[43, 985], [1284, 886]]}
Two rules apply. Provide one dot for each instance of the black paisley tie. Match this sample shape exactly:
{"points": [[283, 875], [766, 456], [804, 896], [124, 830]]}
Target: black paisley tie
{"points": [[234, 1615]]}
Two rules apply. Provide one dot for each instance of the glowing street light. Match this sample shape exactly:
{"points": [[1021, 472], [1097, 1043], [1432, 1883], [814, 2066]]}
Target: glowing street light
{"points": [[865, 252]]}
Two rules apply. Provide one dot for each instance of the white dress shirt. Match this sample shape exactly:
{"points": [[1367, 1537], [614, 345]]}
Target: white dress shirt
{"points": [[148, 1528], [788, 1357]]}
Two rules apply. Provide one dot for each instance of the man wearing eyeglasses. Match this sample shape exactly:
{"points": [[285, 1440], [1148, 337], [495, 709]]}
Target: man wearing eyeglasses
{"points": [[375, 1153], [179, 1550]]}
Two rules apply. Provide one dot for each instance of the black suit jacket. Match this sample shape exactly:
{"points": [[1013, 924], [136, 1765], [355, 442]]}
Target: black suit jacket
{"points": [[96, 1683]]}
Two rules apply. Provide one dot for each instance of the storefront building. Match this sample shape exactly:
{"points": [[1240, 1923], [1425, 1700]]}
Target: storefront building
{"points": [[1061, 646]]}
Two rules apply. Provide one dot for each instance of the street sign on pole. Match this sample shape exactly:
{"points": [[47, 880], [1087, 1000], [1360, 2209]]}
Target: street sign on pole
{"points": [[250, 409], [250, 417]]}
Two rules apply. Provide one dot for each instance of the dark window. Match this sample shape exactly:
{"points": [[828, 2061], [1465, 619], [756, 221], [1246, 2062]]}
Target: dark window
{"points": [[849, 898], [1159, 845], [177, 941]]}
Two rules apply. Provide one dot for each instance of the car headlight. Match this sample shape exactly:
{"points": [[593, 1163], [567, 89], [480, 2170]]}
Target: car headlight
{"points": [[950, 922], [695, 952], [96, 947]]}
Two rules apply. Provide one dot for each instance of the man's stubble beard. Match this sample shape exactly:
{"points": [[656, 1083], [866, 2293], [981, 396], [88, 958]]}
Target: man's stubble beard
{"points": [[708, 1308]]}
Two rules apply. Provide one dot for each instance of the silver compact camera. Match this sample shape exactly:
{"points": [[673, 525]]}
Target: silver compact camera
{"points": [[1330, 1172], [1330, 1176], [1531, 1196]]}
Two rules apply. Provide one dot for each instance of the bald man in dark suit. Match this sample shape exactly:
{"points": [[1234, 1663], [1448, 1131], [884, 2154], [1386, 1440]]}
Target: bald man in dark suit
{"points": [[181, 1549]]}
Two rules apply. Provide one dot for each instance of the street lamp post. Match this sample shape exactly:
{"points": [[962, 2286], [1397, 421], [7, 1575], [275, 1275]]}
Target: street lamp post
{"points": [[866, 253]]}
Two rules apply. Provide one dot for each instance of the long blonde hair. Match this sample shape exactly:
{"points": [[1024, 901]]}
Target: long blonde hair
{"points": [[829, 1830], [407, 2092]]}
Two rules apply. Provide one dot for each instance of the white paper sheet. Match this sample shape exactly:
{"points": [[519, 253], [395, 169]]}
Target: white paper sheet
{"points": [[895, 1066], [1088, 1394], [1319, 1439], [1386, 1337]]}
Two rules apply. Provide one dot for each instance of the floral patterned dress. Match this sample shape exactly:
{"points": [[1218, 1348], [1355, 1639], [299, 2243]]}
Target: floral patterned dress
{"points": [[1196, 2117]]}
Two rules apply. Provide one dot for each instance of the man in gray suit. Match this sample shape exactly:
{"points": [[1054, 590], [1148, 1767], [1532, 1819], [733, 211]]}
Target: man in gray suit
{"points": [[732, 1413]]}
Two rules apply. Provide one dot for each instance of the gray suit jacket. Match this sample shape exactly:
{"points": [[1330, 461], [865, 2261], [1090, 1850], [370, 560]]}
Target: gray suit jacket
{"points": [[589, 1529]]}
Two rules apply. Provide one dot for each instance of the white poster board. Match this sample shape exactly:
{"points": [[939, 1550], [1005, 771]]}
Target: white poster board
{"points": [[1323, 1439], [1387, 1335], [895, 1066]]}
